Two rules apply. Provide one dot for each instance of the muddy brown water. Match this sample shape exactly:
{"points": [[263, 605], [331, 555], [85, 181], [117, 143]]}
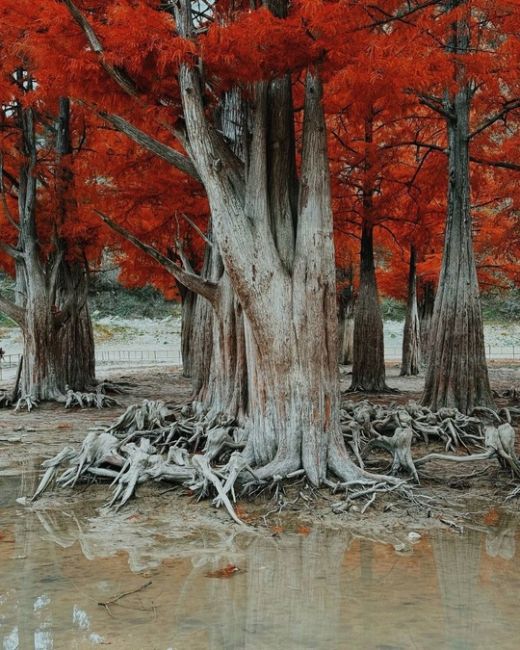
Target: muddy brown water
{"points": [[321, 588]]}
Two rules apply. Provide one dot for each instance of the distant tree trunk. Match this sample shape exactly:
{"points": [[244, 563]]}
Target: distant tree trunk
{"points": [[368, 370], [457, 373], [346, 326], [411, 361], [58, 341], [58, 345], [426, 304]]}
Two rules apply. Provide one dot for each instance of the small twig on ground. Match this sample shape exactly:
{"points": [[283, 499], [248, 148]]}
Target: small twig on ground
{"points": [[116, 598]]}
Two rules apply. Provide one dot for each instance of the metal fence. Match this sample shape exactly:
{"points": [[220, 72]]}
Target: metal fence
{"points": [[143, 356], [147, 356], [493, 352]]}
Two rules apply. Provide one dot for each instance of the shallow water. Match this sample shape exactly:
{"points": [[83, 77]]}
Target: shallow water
{"points": [[322, 589]]}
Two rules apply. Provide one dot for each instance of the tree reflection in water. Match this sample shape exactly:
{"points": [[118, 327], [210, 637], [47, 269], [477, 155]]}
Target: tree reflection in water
{"points": [[318, 590]]}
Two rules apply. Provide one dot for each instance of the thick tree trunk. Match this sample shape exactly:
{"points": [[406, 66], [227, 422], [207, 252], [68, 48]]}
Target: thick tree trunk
{"points": [[58, 341], [43, 374], [426, 304], [78, 351], [368, 370], [457, 373], [411, 361], [76, 334], [346, 326]]}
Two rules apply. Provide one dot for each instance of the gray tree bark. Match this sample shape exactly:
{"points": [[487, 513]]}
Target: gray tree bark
{"points": [[368, 370], [58, 345], [411, 361], [425, 305], [291, 316], [457, 373], [346, 308]]}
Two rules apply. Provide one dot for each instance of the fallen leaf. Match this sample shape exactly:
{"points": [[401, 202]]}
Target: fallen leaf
{"points": [[492, 517], [303, 530], [227, 572]]}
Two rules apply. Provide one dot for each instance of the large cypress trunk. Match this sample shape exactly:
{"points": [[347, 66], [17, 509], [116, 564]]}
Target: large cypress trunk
{"points": [[58, 348], [368, 370], [58, 341], [457, 373], [411, 361], [280, 262]]}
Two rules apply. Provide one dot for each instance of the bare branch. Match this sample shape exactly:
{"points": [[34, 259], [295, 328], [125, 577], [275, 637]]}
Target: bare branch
{"points": [[12, 311], [502, 164], [192, 281], [199, 231], [173, 157], [11, 251]]}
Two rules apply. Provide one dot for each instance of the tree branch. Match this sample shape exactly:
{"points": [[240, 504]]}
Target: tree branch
{"points": [[437, 107], [173, 157], [509, 106], [11, 251], [192, 281], [12, 311], [119, 76], [502, 164]]}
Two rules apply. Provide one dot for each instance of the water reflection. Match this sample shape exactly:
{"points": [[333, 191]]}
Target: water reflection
{"points": [[321, 590]]}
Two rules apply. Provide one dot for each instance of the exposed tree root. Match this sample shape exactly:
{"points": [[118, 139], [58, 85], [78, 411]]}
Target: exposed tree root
{"points": [[512, 393], [400, 446], [499, 443], [26, 402], [449, 425], [359, 388], [207, 452], [96, 399]]}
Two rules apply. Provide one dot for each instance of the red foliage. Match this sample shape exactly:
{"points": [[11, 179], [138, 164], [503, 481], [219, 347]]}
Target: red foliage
{"points": [[385, 141]]}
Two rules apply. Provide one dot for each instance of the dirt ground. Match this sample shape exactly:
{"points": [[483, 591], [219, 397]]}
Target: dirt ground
{"points": [[458, 497]]}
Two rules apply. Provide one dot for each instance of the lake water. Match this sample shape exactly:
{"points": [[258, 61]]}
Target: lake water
{"points": [[319, 589]]}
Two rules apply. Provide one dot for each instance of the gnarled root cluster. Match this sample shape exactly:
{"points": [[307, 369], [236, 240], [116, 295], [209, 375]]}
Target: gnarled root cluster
{"points": [[26, 402], [395, 428], [94, 397], [206, 452], [152, 442]]}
